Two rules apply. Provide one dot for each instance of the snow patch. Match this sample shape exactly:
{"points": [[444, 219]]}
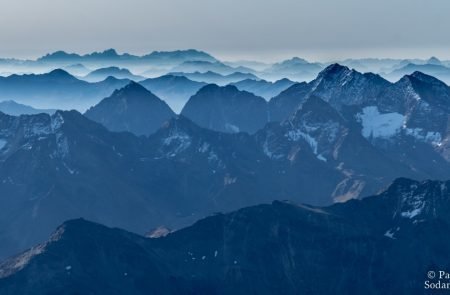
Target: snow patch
{"points": [[434, 138], [379, 125], [2, 143], [180, 142], [321, 158], [231, 128], [412, 205], [390, 234]]}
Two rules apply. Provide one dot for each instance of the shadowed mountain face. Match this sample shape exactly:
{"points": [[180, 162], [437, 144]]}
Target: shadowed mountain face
{"points": [[132, 108], [57, 89], [174, 90], [282, 248], [226, 109]]}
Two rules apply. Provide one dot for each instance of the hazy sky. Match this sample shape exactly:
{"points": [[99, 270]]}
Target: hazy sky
{"points": [[231, 29]]}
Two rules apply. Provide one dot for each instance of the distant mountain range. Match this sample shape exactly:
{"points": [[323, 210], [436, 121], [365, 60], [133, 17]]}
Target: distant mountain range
{"points": [[435, 68], [111, 56], [343, 135], [160, 63], [13, 108], [56, 89], [397, 236]]}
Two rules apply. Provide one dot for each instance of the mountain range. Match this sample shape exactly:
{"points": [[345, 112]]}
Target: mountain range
{"points": [[384, 244], [170, 159], [56, 89], [160, 63], [329, 150], [13, 108], [110, 56]]}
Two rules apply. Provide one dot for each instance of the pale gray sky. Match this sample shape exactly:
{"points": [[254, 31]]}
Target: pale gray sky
{"points": [[231, 29]]}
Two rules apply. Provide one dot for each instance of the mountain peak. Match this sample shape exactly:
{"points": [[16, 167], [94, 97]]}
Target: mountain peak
{"points": [[334, 69], [134, 88], [295, 60], [132, 108]]}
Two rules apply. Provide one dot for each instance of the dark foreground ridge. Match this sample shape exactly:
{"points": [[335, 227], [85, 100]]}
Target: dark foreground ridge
{"points": [[386, 243]]}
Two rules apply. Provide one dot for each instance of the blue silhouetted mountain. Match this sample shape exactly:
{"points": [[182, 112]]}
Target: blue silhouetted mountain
{"points": [[264, 88], [226, 109], [103, 73], [62, 56], [278, 248], [132, 108], [179, 56], [111, 57], [215, 78], [174, 90], [56, 89], [13, 108]]}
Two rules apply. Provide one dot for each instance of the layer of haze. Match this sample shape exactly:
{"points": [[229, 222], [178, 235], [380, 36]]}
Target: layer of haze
{"points": [[231, 29]]}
